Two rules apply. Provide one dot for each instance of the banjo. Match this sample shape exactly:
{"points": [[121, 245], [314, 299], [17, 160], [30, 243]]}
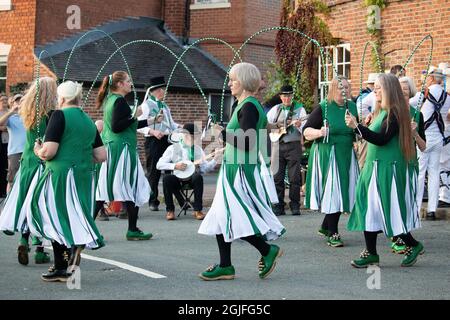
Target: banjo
{"points": [[276, 134], [187, 173]]}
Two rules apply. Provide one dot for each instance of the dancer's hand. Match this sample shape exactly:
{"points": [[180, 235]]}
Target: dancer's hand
{"points": [[413, 126], [323, 131], [368, 119], [350, 121]]}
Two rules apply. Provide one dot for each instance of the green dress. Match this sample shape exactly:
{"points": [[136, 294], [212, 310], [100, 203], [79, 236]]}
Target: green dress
{"points": [[385, 193], [63, 201], [14, 211], [121, 176], [242, 204], [332, 166]]}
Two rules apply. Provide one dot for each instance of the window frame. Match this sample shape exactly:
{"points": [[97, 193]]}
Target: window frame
{"points": [[214, 4], [5, 5], [3, 63], [335, 54]]}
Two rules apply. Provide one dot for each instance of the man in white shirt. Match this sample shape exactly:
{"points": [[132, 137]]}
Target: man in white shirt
{"points": [[185, 150], [434, 110], [156, 134]]}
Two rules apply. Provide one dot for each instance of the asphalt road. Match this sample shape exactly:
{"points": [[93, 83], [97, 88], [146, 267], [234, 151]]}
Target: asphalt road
{"points": [[308, 270]]}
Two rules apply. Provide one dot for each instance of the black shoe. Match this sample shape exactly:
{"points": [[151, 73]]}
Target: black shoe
{"points": [[443, 204], [295, 212], [55, 276], [279, 210], [153, 207], [431, 216]]}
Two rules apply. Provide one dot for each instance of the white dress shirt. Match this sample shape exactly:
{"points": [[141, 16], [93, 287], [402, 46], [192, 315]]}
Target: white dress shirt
{"points": [[178, 152]]}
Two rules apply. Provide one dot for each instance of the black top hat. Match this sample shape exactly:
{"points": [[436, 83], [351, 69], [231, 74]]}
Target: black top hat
{"points": [[191, 128], [286, 89], [156, 83]]}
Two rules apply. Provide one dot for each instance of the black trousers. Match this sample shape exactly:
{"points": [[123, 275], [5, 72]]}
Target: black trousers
{"points": [[288, 156], [172, 186], [3, 168], [154, 149]]}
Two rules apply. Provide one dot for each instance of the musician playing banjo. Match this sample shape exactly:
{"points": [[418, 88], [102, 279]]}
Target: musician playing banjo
{"points": [[178, 158], [285, 123]]}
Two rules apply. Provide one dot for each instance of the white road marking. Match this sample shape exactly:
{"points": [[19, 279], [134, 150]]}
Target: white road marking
{"points": [[122, 265]]}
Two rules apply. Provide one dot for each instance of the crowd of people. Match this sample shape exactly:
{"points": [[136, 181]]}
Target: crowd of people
{"points": [[370, 157]]}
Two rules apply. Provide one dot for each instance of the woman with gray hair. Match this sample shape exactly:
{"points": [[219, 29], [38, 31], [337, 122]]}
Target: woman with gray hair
{"points": [[241, 208], [63, 201]]}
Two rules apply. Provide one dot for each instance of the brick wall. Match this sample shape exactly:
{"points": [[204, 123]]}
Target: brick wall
{"points": [[174, 15], [52, 16], [17, 30], [404, 24], [235, 25]]}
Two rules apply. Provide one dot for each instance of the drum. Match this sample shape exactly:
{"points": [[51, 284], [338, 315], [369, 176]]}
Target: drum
{"points": [[187, 173]]}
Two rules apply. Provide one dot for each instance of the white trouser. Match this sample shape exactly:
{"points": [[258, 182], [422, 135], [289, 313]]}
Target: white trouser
{"points": [[429, 160], [444, 192]]}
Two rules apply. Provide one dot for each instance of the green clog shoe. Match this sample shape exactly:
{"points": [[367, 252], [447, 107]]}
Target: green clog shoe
{"points": [[267, 263], [411, 255], [216, 272], [398, 246], [41, 257], [366, 260], [138, 235], [335, 241], [22, 251]]}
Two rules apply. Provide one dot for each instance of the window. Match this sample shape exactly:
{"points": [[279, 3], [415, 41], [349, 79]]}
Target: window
{"points": [[2, 74], [5, 5], [340, 57], [215, 102], [210, 4]]}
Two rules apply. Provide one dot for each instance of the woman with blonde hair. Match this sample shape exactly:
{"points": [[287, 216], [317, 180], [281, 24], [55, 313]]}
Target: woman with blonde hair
{"points": [[385, 199], [241, 208], [13, 217], [332, 166], [62, 203]]}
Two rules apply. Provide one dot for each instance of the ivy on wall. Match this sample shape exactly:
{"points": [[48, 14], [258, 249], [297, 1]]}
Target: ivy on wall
{"points": [[289, 47], [374, 31]]}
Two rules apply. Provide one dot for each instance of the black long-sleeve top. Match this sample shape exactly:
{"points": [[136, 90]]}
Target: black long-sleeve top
{"points": [[56, 126], [248, 117], [387, 132], [122, 117]]}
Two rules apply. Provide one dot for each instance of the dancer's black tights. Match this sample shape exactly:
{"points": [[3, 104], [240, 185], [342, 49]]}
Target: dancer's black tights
{"points": [[58, 252], [330, 222], [225, 248]]}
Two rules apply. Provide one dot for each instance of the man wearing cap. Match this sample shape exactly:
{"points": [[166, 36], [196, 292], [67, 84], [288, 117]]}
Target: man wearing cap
{"points": [[17, 138], [156, 135], [287, 151], [434, 110], [185, 150]]}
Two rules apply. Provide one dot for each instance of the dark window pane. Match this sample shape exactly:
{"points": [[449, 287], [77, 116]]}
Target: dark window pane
{"points": [[3, 86], [340, 54], [2, 71], [347, 71], [340, 69], [216, 103], [347, 55]]}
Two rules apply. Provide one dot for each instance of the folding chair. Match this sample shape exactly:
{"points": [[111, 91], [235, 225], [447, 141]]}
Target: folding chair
{"points": [[186, 192]]}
